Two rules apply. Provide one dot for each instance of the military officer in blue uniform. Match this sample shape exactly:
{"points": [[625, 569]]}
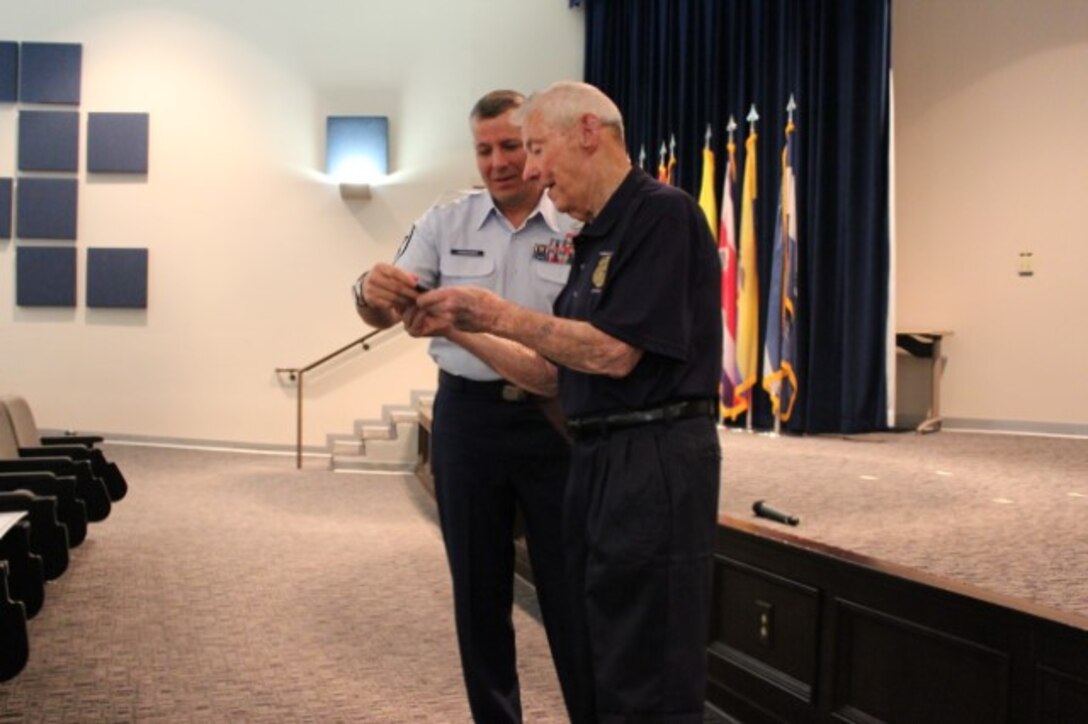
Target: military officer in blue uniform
{"points": [[493, 450], [634, 351]]}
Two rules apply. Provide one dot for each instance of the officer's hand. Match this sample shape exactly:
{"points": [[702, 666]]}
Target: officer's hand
{"points": [[469, 309], [387, 287]]}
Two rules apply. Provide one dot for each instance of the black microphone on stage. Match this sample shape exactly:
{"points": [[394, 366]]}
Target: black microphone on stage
{"points": [[766, 511]]}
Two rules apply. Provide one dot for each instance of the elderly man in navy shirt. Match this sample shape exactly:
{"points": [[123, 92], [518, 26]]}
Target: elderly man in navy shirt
{"points": [[633, 351], [493, 449]]}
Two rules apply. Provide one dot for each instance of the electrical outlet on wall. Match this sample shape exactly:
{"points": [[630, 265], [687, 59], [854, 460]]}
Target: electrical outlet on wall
{"points": [[1025, 265]]}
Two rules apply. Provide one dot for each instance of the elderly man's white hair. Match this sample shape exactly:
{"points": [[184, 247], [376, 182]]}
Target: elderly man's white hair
{"points": [[562, 103]]}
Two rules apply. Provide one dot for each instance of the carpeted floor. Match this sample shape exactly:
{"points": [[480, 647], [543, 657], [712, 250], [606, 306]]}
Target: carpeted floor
{"points": [[1005, 513], [232, 587]]}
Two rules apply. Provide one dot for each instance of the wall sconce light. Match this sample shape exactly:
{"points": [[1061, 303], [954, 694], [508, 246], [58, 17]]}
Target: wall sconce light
{"points": [[357, 153]]}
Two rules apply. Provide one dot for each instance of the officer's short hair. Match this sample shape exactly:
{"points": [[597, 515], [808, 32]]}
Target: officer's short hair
{"points": [[494, 104]]}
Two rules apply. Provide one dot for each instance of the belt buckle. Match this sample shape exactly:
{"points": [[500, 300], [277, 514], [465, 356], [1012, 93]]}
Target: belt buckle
{"points": [[512, 393]]}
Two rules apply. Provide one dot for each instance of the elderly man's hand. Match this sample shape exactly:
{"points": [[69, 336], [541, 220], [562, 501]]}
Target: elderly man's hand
{"points": [[469, 309], [420, 324]]}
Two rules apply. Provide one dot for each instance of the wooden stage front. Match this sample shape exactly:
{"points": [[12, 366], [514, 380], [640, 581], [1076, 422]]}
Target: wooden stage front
{"points": [[802, 631]]}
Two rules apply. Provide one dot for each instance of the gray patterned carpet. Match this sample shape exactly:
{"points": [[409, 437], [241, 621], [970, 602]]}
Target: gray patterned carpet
{"points": [[1006, 513], [231, 587]]}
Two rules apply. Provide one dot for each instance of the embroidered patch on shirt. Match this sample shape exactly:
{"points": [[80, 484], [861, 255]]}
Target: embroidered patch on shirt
{"points": [[554, 251], [404, 244], [600, 273]]}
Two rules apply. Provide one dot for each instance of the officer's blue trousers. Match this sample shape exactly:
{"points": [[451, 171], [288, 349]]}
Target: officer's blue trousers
{"points": [[488, 456]]}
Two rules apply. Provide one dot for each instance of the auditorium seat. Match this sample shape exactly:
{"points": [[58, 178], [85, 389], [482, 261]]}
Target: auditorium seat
{"points": [[89, 488], [71, 512], [26, 582], [27, 435], [48, 536], [14, 642]]}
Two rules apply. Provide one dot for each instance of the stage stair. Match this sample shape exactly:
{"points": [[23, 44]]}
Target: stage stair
{"points": [[387, 444]]}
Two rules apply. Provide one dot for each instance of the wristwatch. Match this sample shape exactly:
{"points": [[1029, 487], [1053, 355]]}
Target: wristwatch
{"points": [[357, 291]]}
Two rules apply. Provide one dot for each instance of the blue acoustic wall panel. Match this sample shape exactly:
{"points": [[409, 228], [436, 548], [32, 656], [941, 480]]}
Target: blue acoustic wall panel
{"points": [[5, 208], [9, 71], [117, 278], [45, 276], [50, 73], [117, 142], [48, 140], [46, 208]]}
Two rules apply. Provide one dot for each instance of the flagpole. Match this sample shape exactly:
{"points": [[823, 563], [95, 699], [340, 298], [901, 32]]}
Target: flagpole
{"points": [[790, 108], [753, 116], [727, 250]]}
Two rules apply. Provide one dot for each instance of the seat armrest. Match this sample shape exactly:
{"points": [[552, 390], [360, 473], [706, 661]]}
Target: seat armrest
{"points": [[56, 465], [84, 440], [68, 451]]}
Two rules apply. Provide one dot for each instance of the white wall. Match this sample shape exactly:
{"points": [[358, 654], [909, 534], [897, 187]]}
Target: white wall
{"points": [[252, 251], [991, 114]]}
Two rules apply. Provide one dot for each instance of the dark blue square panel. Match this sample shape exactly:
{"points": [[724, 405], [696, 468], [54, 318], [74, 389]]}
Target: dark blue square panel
{"points": [[9, 71], [117, 142], [5, 208], [46, 208], [48, 140], [50, 73], [45, 276], [117, 278]]}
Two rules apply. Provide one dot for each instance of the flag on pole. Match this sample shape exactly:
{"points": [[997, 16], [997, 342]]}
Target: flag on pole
{"points": [[670, 176], [662, 164], [779, 352], [707, 202], [747, 280], [727, 252]]}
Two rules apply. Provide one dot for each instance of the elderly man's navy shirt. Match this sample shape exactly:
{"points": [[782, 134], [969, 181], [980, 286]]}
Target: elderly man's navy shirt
{"points": [[646, 271]]}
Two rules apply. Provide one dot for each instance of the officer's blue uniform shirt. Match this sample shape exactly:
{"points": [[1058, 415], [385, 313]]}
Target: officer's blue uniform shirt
{"points": [[646, 271], [468, 242]]}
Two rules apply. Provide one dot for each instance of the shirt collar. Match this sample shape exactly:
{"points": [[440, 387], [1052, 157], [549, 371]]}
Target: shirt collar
{"points": [[617, 203], [545, 209]]}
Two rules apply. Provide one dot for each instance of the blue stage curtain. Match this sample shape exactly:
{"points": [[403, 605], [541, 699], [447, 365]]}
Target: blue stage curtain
{"points": [[673, 66]]}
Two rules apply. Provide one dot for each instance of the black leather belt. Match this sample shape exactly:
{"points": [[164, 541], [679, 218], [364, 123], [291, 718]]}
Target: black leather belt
{"points": [[494, 389], [582, 428]]}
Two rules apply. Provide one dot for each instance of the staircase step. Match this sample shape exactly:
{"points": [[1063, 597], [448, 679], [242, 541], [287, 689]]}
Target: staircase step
{"points": [[364, 464], [387, 444]]}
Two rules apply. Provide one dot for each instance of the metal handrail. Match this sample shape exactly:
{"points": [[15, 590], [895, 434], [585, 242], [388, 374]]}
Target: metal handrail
{"points": [[297, 373]]}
